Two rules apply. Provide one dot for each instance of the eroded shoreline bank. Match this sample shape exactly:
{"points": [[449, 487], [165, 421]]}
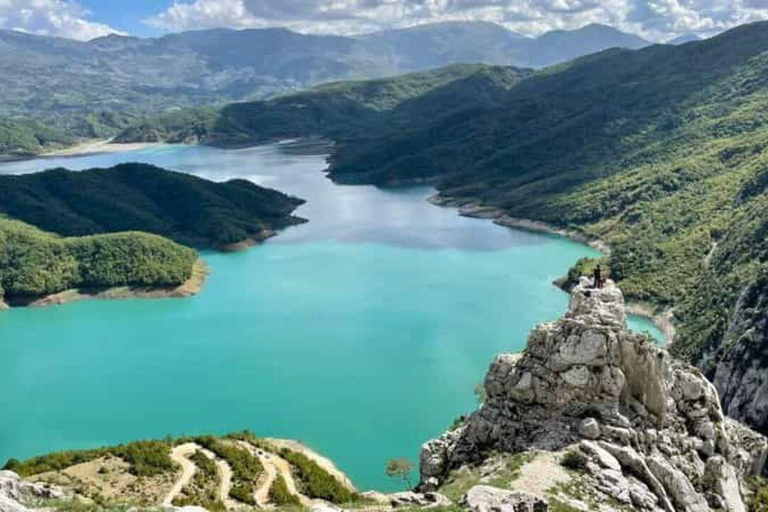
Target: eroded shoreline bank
{"points": [[192, 286]]}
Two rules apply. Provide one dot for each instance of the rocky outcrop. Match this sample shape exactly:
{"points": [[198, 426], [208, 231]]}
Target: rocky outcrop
{"points": [[741, 374], [650, 430], [483, 498], [15, 494]]}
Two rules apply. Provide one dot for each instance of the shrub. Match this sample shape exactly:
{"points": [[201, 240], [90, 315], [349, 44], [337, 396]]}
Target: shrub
{"points": [[279, 494], [575, 460], [316, 481]]}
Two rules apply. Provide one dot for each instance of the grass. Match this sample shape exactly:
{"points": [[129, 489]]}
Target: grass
{"points": [[463, 479]]}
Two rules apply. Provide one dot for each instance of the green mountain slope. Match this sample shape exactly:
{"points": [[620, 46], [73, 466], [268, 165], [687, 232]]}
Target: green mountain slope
{"points": [[140, 197], [660, 152], [342, 110], [95, 89]]}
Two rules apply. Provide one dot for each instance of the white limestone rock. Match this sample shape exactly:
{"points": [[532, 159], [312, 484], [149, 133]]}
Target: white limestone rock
{"points": [[483, 498], [652, 427]]}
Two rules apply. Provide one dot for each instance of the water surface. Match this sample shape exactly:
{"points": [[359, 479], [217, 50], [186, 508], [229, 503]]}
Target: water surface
{"points": [[361, 333]]}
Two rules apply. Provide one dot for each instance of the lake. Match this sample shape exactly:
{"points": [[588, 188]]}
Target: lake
{"points": [[361, 333]]}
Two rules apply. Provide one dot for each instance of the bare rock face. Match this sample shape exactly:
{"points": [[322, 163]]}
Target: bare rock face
{"points": [[652, 428], [483, 498], [14, 493]]}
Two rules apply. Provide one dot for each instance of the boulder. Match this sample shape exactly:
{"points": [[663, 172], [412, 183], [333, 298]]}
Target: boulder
{"points": [[421, 500], [483, 498]]}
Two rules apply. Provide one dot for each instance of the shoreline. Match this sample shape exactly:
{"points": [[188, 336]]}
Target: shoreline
{"points": [[98, 147], [663, 319], [192, 286], [85, 148]]}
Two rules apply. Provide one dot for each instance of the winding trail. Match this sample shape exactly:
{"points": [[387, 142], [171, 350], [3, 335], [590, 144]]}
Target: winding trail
{"points": [[274, 465], [180, 456], [323, 462], [225, 472]]}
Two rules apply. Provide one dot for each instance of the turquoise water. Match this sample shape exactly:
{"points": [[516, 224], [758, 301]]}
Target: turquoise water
{"points": [[361, 333]]}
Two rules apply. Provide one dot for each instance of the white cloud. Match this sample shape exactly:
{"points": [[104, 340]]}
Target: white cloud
{"points": [[655, 19], [62, 18]]}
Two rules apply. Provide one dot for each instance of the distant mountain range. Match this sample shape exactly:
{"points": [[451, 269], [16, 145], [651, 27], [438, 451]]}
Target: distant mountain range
{"points": [[92, 88]]}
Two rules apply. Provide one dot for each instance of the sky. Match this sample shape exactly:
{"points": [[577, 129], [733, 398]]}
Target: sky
{"points": [[656, 20]]}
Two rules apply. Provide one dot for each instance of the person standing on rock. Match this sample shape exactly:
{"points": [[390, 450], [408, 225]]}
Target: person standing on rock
{"points": [[598, 277]]}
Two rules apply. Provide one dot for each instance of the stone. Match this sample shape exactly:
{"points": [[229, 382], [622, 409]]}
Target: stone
{"points": [[483, 498], [722, 481], [421, 500], [589, 428], [321, 506], [601, 456], [677, 485], [14, 488], [9, 505]]}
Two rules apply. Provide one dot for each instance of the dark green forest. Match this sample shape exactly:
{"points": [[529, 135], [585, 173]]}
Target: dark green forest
{"points": [[141, 197], [104, 228]]}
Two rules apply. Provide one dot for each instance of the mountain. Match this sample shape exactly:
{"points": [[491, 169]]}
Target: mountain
{"points": [[685, 38], [563, 45], [338, 110], [94, 89], [659, 152]]}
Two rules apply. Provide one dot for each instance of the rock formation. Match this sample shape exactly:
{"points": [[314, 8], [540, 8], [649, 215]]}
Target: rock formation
{"points": [[15, 493], [741, 376], [649, 430]]}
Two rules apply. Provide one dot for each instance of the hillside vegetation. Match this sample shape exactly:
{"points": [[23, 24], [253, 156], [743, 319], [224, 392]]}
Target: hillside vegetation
{"points": [[341, 110], [35, 263], [97, 88], [661, 152], [140, 197]]}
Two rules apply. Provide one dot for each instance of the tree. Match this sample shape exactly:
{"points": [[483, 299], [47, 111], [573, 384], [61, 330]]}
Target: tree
{"points": [[400, 468], [480, 392]]}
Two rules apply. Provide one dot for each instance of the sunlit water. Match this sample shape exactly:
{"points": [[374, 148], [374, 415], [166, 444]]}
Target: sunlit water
{"points": [[361, 333]]}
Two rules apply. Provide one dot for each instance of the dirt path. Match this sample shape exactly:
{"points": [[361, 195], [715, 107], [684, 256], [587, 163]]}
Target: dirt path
{"points": [[180, 456], [225, 472], [274, 465], [319, 459], [541, 474]]}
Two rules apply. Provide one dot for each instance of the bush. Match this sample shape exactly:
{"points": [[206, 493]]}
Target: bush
{"points": [[279, 494], [316, 481], [246, 468], [575, 459], [146, 458]]}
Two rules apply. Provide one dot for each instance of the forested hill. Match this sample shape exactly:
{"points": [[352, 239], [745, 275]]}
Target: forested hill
{"points": [[105, 228], [342, 111], [141, 197], [661, 152]]}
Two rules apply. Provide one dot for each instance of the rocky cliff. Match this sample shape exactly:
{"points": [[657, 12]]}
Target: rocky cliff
{"points": [[741, 375], [638, 429]]}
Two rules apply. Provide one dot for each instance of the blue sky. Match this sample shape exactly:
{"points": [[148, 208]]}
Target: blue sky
{"points": [[658, 20]]}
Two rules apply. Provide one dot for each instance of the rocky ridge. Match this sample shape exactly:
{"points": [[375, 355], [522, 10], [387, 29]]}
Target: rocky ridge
{"points": [[643, 431]]}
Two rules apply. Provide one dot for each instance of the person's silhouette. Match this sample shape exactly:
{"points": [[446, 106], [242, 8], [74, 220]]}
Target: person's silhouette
{"points": [[598, 277]]}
